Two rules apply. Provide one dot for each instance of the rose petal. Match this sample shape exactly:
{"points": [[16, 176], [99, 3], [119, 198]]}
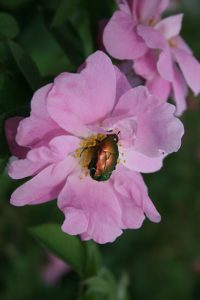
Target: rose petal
{"points": [[39, 128], [95, 86], [126, 67], [85, 237], [153, 38], [159, 131], [159, 87], [75, 222], [163, 5], [157, 128], [170, 26], [45, 186], [139, 162], [181, 44], [133, 198], [41, 157], [98, 203], [120, 38], [54, 269], [122, 84], [64, 145], [190, 68], [11, 131], [146, 10], [165, 65], [146, 66], [24, 167], [125, 5], [133, 102], [180, 91]]}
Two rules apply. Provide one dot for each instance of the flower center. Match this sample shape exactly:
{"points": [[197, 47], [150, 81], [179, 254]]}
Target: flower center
{"points": [[98, 156], [86, 151], [172, 43], [152, 22]]}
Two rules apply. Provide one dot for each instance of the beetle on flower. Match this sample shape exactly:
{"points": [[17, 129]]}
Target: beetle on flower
{"points": [[76, 125]]}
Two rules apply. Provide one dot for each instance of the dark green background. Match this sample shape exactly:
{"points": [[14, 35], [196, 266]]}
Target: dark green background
{"points": [[39, 39]]}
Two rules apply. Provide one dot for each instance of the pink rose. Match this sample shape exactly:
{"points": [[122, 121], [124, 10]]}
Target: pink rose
{"points": [[69, 119], [121, 37], [160, 55], [54, 269]]}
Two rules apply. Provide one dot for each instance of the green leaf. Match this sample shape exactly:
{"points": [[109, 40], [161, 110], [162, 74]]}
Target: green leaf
{"points": [[66, 247], [97, 10], [93, 296], [8, 26], [7, 184], [4, 148], [64, 11], [98, 285], [13, 3], [70, 41], [14, 93], [103, 284], [122, 292], [93, 259], [26, 65], [66, 33], [44, 48], [3, 163], [51, 5]]}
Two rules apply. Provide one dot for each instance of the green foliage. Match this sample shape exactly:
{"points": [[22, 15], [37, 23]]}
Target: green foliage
{"points": [[64, 11], [104, 284], [97, 10], [68, 248], [26, 66], [93, 261], [83, 258], [70, 41], [13, 3], [8, 26]]}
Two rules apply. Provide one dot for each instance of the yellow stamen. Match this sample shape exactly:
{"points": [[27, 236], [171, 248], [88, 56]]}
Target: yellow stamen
{"points": [[85, 152], [172, 43], [152, 22]]}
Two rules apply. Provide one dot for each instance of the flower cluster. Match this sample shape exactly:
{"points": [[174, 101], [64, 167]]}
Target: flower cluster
{"points": [[90, 134], [136, 32]]}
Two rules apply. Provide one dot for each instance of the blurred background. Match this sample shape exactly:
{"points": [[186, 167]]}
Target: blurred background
{"points": [[38, 40]]}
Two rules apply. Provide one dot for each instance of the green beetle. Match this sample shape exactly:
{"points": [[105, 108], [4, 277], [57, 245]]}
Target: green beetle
{"points": [[104, 158]]}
